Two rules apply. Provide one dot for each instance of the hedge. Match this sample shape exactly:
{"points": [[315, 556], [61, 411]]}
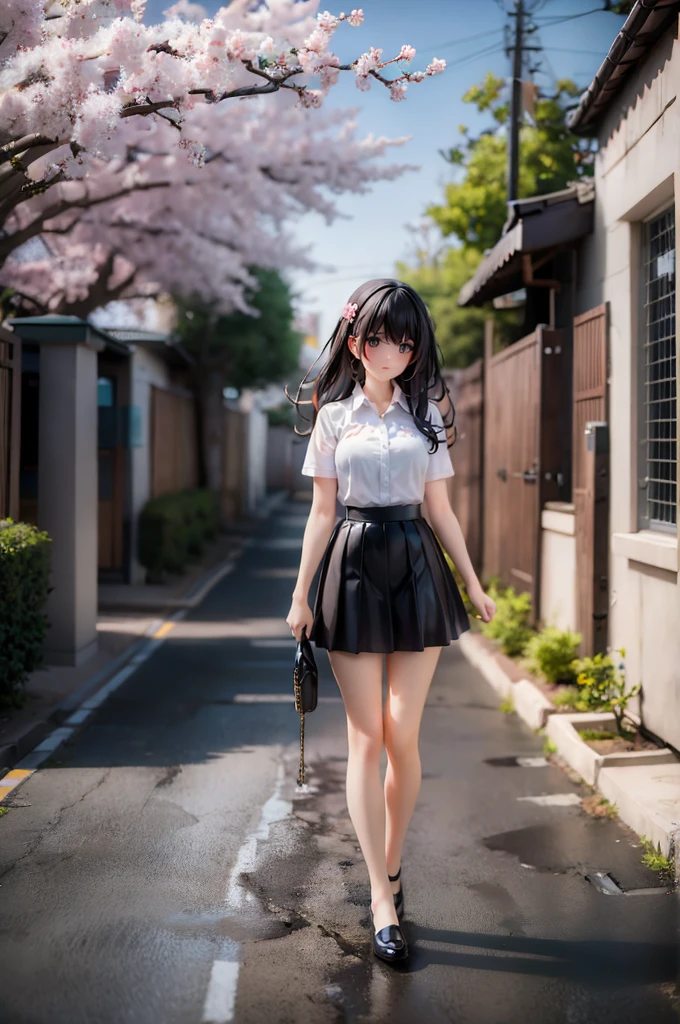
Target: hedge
{"points": [[174, 527], [24, 586]]}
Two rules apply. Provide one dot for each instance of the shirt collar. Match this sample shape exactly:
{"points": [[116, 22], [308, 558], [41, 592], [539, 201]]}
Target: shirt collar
{"points": [[359, 397]]}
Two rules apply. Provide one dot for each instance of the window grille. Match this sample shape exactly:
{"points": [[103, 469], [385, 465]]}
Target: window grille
{"points": [[659, 403]]}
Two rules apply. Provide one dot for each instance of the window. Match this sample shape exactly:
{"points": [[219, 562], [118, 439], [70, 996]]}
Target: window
{"points": [[658, 448]]}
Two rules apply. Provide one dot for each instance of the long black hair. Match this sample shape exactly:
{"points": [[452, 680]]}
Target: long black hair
{"points": [[400, 311]]}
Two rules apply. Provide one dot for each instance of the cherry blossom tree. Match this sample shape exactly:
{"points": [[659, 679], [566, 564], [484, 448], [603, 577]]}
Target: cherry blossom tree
{"points": [[74, 72], [189, 219]]}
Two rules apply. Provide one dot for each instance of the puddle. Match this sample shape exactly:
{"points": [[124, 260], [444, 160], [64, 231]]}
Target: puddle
{"points": [[518, 761], [578, 844]]}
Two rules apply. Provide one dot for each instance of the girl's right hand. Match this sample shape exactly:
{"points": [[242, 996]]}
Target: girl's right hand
{"points": [[300, 615]]}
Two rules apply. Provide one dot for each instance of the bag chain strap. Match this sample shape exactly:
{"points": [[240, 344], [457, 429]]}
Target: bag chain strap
{"points": [[298, 707]]}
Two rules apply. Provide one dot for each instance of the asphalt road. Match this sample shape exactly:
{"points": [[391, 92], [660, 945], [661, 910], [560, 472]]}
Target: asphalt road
{"points": [[161, 869]]}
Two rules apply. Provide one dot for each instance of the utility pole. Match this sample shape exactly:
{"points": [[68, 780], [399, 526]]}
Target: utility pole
{"points": [[515, 102]]}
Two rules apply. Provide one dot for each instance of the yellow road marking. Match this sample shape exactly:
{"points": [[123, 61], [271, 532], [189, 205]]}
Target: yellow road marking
{"points": [[16, 775], [10, 781], [164, 630]]}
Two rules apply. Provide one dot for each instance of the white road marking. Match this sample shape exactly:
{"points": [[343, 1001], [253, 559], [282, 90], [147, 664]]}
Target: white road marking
{"points": [[284, 642], [276, 698], [51, 742], [532, 762], [78, 717], [220, 998], [553, 799], [275, 809]]}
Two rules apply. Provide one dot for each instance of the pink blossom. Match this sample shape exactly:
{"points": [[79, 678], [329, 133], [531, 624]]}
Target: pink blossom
{"points": [[398, 91], [416, 76], [327, 21], [368, 61], [309, 61], [435, 67], [349, 311], [407, 52], [356, 17], [310, 98], [363, 83], [317, 41]]}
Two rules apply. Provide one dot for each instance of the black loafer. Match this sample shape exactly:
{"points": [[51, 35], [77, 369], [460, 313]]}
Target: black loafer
{"points": [[398, 897], [390, 945]]}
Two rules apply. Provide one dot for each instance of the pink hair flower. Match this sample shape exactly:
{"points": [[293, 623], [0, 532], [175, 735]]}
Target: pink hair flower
{"points": [[350, 311]]}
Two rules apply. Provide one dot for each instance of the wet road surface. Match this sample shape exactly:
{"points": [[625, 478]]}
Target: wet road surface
{"points": [[162, 869]]}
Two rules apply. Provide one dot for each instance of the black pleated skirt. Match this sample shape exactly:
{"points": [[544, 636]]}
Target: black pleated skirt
{"points": [[385, 585]]}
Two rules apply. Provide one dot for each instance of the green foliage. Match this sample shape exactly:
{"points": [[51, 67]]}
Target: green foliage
{"points": [[3, 811], [460, 331], [654, 859], [174, 527], [507, 706], [281, 416], [549, 747], [551, 653], [510, 624], [598, 734], [247, 350], [24, 586], [602, 686], [567, 697], [475, 208]]}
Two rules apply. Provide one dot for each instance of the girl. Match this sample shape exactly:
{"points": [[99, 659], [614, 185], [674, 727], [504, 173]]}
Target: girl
{"points": [[378, 444]]}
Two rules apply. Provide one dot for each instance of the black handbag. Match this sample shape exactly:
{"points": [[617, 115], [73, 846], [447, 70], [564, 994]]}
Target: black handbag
{"points": [[306, 691]]}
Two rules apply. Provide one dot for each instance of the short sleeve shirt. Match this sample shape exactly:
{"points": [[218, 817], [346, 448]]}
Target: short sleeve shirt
{"points": [[377, 460]]}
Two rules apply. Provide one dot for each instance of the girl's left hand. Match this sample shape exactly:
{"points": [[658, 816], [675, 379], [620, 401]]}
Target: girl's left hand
{"points": [[482, 602]]}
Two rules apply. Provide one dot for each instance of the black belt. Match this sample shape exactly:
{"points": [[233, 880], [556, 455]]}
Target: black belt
{"points": [[383, 513]]}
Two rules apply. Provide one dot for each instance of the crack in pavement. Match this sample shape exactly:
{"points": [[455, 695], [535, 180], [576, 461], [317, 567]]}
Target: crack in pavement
{"points": [[54, 823]]}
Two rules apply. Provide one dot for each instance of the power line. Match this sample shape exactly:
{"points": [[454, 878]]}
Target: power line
{"points": [[559, 19], [459, 42]]}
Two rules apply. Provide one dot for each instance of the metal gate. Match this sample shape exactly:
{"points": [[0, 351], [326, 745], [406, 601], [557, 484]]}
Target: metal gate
{"points": [[591, 477], [10, 423], [525, 429]]}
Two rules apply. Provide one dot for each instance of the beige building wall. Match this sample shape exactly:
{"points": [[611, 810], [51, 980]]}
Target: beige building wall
{"points": [[637, 175], [558, 567]]}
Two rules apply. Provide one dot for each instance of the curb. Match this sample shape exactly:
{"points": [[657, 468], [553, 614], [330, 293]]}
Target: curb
{"points": [[644, 785], [40, 740], [532, 706]]}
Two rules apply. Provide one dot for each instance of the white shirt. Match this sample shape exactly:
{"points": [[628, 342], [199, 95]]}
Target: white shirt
{"points": [[377, 460]]}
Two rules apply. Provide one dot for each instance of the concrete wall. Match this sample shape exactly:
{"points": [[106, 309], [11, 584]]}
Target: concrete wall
{"points": [[637, 171], [256, 435], [558, 567], [146, 371], [279, 457]]}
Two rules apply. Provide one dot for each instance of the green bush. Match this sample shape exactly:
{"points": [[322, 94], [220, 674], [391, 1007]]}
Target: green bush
{"points": [[24, 586], [174, 527], [602, 686], [551, 653], [510, 625]]}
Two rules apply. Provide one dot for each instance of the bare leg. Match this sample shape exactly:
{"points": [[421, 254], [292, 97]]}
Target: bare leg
{"points": [[409, 674], [359, 677]]}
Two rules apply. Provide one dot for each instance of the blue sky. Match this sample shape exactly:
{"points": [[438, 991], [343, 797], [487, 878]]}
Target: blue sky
{"points": [[469, 36]]}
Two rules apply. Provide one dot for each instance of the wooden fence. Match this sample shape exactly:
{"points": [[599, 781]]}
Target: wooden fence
{"points": [[174, 465], [465, 488], [591, 478], [524, 454], [10, 423]]}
